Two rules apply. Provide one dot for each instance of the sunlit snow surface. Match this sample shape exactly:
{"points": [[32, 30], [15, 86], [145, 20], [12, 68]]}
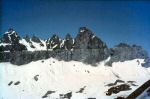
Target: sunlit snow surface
{"points": [[36, 45], [64, 77]]}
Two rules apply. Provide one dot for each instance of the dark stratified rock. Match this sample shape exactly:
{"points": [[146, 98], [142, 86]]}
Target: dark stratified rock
{"points": [[10, 83], [11, 36], [66, 96], [120, 98], [86, 47], [53, 42], [68, 43], [17, 83], [117, 89], [123, 52], [81, 90], [18, 47], [36, 77], [82, 38], [47, 93], [41, 44], [89, 48], [115, 83], [31, 45], [24, 57], [13, 47], [27, 38]]}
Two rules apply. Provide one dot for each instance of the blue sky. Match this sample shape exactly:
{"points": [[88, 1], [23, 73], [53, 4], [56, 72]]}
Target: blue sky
{"points": [[113, 21]]}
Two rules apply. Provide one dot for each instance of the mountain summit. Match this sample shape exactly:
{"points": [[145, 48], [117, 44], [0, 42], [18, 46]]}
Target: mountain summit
{"points": [[85, 47]]}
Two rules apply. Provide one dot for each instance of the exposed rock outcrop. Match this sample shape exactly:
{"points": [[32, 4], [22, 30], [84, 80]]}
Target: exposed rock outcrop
{"points": [[89, 48], [68, 42], [86, 47], [123, 52], [53, 42]]}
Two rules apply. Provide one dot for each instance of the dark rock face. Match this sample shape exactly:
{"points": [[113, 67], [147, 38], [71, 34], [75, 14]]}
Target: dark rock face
{"points": [[81, 90], [117, 89], [131, 83], [68, 43], [24, 57], [120, 98], [66, 96], [13, 47], [83, 37], [36, 77], [10, 83], [47, 93], [115, 83], [118, 86], [27, 38], [89, 48], [123, 52], [86, 47], [18, 47], [11, 37], [53, 43], [17, 83]]}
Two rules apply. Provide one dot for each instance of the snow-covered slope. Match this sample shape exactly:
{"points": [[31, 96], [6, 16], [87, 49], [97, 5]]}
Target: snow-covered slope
{"points": [[36, 78], [37, 46]]}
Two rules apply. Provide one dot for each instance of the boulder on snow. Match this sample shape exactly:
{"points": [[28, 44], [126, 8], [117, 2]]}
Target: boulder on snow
{"points": [[36, 77], [117, 89], [66, 96], [17, 83], [47, 93], [10, 83], [81, 90]]}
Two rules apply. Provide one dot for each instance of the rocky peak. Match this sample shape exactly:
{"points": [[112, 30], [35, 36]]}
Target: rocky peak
{"points": [[68, 37], [88, 47], [35, 39], [68, 43], [11, 36], [96, 43], [82, 38], [53, 42], [87, 40], [27, 38]]}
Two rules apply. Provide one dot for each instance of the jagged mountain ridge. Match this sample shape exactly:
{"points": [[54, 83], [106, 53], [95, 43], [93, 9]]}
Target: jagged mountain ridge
{"points": [[85, 47], [85, 39]]}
